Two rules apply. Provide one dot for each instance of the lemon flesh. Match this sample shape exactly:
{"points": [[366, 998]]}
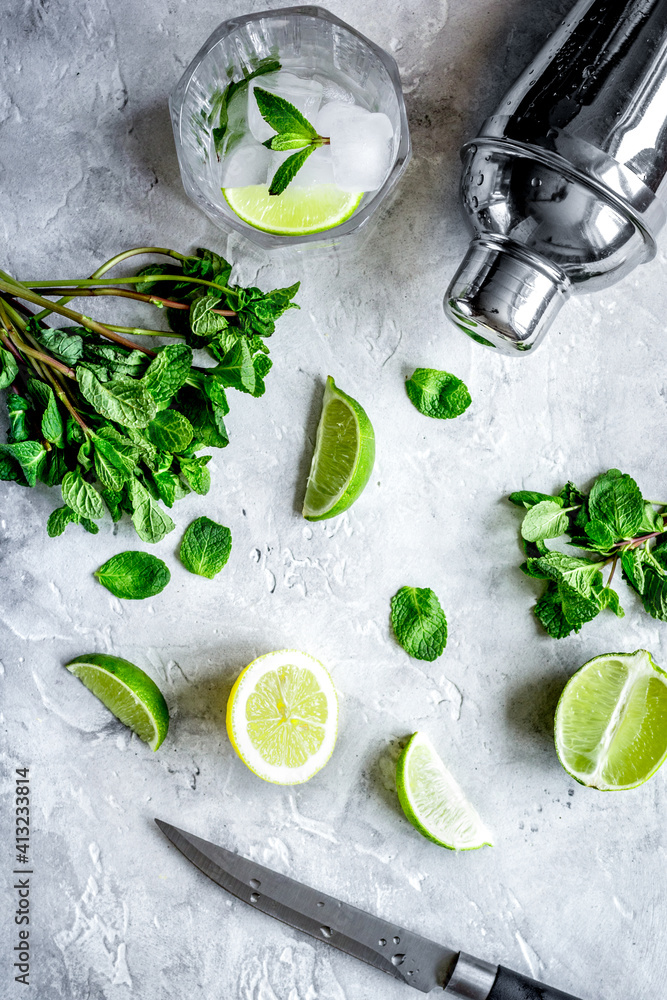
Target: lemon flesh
{"points": [[433, 801], [126, 691], [295, 212], [611, 721], [344, 456], [282, 717]]}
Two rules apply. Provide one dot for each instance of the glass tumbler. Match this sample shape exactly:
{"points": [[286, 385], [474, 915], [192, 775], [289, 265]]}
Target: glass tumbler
{"points": [[303, 39]]}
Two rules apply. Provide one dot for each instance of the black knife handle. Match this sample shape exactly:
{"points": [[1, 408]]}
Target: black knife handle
{"points": [[510, 985]]}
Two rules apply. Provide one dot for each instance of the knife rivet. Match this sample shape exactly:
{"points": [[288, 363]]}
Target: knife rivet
{"points": [[383, 942], [254, 897]]}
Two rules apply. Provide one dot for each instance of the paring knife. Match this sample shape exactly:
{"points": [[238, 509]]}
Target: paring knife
{"points": [[403, 954]]}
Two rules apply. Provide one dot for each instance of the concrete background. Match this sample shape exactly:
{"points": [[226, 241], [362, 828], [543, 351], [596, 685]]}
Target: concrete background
{"points": [[574, 890]]}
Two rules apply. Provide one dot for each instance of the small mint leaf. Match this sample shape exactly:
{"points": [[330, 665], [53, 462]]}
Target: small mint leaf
{"points": [[419, 622], [287, 170], [288, 140], [281, 115], [437, 394], [546, 519], [206, 547]]}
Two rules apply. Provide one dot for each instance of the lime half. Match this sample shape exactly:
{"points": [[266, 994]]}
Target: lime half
{"points": [[295, 212], [611, 721], [126, 691], [343, 458], [282, 716], [433, 801]]}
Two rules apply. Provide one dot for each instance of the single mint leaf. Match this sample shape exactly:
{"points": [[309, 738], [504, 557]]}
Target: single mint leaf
{"points": [[30, 455], [654, 593], [260, 310], [581, 575], [550, 614], [288, 170], [531, 567], [11, 471], [207, 419], [150, 521], [600, 534], [168, 372], [64, 345], [651, 520], [114, 501], [52, 426], [616, 499], [419, 622], [8, 368], [116, 457], [170, 431], [134, 575], [437, 394], [126, 402], [195, 473], [609, 599], [18, 408], [283, 116], [236, 369], [168, 486], [546, 519], [203, 320], [82, 496], [529, 498], [287, 140], [59, 519], [632, 563], [208, 265], [111, 361], [54, 468], [205, 547]]}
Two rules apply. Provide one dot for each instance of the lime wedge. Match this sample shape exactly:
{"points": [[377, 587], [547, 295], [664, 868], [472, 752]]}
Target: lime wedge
{"points": [[295, 212], [126, 691], [611, 721], [343, 458], [432, 800], [282, 717]]}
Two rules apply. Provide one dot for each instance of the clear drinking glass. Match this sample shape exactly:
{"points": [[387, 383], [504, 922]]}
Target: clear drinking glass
{"points": [[306, 39]]}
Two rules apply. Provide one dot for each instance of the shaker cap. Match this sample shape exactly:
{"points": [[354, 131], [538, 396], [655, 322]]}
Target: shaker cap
{"points": [[504, 296]]}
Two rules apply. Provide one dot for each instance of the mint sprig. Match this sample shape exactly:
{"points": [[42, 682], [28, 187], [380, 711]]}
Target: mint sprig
{"points": [[293, 131], [612, 524]]}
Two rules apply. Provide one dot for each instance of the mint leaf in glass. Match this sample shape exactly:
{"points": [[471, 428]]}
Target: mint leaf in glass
{"points": [[437, 394], [419, 622], [134, 575]]}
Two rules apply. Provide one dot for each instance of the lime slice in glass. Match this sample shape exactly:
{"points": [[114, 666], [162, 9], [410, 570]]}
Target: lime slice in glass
{"points": [[343, 458], [126, 691], [611, 721], [433, 801], [295, 212], [282, 717]]}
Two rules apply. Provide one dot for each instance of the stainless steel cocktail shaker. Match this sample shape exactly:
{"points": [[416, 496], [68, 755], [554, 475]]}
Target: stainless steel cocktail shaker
{"points": [[565, 186]]}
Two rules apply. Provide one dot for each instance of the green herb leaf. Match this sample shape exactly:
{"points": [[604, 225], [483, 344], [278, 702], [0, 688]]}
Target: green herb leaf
{"points": [[115, 457], [632, 562], [529, 498], [150, 521], [63, 344], [206, 547], [59, 519], [616, 499], [203, 320], [134, 575], [437, 394], [288, 170], [287, 140], [168, 372], [170, 431], [11, 471], [549, 612], [8, 368], [125, 401], [52, 426], [283, 116], [207, 420], [30, 455], [208, 265], [195, 473], [82, 496], [545, 520], [419, 622], [17, 409], [600, 534], [236, 369]]}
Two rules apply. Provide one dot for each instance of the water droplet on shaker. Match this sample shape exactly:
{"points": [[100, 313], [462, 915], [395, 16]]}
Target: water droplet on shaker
{"points": [[480, 178], [397, 959], [254, 897], [474, 202], [382, 942], [326, 932], [473, 150], [397, 940], [536, 182]]}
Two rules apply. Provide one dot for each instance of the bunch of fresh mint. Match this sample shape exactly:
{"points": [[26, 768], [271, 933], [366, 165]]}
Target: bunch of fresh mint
{"points": [[117, 425], [612, 523]]}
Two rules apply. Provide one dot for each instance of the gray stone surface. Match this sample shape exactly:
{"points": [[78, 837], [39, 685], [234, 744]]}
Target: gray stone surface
{"points": [[574, 890]]}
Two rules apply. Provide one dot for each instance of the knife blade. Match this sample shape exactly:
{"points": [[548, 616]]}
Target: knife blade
{"points": [[403, 954]]}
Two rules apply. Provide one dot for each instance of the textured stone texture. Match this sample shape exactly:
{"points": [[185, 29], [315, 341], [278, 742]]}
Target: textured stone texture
{"points": [[573, 892]]}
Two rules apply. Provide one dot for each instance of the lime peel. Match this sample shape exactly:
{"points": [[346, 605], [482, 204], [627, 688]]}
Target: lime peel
{"points": [[611, 721], [127, 691], [433, 801], [282, 716], [343, 458]]}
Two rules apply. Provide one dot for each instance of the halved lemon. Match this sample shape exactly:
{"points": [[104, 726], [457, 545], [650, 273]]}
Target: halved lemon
{"points": [[282, 716]]}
